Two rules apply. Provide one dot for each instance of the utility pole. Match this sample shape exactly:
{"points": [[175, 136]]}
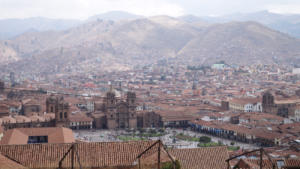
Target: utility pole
{"points": [[261, 158], [158, 162]]}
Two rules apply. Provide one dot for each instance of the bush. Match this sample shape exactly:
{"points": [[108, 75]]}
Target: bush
{"points": [[161, 130], [232, 143], [210, 144], [233, 148], [220, 143], [169, 165], [205, 139]]}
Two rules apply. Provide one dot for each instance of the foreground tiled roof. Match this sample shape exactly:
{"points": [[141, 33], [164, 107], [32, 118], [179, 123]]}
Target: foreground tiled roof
{"points": [[6, 163], [90, 154], [255, 163], [55, 135], [202, 158]]}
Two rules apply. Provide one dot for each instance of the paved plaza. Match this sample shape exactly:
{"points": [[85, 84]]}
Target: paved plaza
{"points": [[167, 138]]}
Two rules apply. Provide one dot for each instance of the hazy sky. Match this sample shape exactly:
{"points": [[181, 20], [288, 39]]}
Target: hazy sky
{"points": [[82, 9]]}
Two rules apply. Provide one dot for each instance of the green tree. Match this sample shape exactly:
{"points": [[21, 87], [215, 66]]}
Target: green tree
{"points": [[205, 139]]}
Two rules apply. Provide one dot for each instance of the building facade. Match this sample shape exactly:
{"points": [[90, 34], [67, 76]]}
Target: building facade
{"points": [[120, 113], [280, 108]]}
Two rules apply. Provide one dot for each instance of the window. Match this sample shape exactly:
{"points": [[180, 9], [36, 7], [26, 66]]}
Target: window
{"points": [[61, 115], [66, 115], [51, 109], [37, 139]]}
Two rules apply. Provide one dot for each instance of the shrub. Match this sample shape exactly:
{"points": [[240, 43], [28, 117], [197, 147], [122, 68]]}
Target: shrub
{"points": [[169, 165], [205, 139]]}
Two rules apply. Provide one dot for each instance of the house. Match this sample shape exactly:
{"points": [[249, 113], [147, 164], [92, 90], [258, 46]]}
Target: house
{"points": [[37, 135], [30, 106], [296, 116], [80, 121]]}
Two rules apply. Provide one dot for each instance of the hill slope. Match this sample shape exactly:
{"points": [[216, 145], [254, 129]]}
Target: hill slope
{"points": [[111, 45]]}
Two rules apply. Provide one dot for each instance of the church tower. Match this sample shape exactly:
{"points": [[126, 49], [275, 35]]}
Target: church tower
{"points": [[131, 101], [110, 107], [61, 109], [267, 102]]}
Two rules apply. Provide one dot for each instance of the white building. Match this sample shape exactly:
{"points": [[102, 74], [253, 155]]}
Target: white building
{"points": [[245, 104], [296, 71], [296, 116]]}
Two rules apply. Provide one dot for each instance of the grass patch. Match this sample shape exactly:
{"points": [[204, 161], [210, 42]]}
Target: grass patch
{"points": [[151, 134], [210, 144], [186, 137], [233, 148]]}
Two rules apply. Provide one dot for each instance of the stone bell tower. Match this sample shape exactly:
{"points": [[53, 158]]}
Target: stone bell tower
{"points": [[268, 102], [61, 109], [131, 101], [110, 106]]}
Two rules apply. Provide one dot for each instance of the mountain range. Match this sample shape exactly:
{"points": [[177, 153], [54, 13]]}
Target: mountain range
{"points": [[144, 41], [121, 44], [285, 23]]}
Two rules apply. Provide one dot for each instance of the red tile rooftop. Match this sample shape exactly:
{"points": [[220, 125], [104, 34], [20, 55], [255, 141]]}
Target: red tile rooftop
{"points": [[202, 158], [55, 135], [6, 163]]}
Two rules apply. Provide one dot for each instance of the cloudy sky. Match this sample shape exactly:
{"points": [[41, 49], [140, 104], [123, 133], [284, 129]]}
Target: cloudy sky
{"points": [[82, 9]]}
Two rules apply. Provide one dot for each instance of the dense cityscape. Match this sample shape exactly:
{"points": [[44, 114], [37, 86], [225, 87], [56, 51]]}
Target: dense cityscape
{"points": [[243, 108], [126, 91]]}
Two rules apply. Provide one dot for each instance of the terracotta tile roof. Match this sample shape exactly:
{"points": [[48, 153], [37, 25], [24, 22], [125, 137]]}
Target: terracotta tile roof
{"points": [[6, 163], [244, 101], [202, 158], [55, 135], [98, 154], [255, 163], [292, 162], [78, 117], [151, 158]]}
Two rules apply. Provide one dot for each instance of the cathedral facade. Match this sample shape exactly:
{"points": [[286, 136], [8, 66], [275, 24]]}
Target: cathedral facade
{"points": [[120, 113]]}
